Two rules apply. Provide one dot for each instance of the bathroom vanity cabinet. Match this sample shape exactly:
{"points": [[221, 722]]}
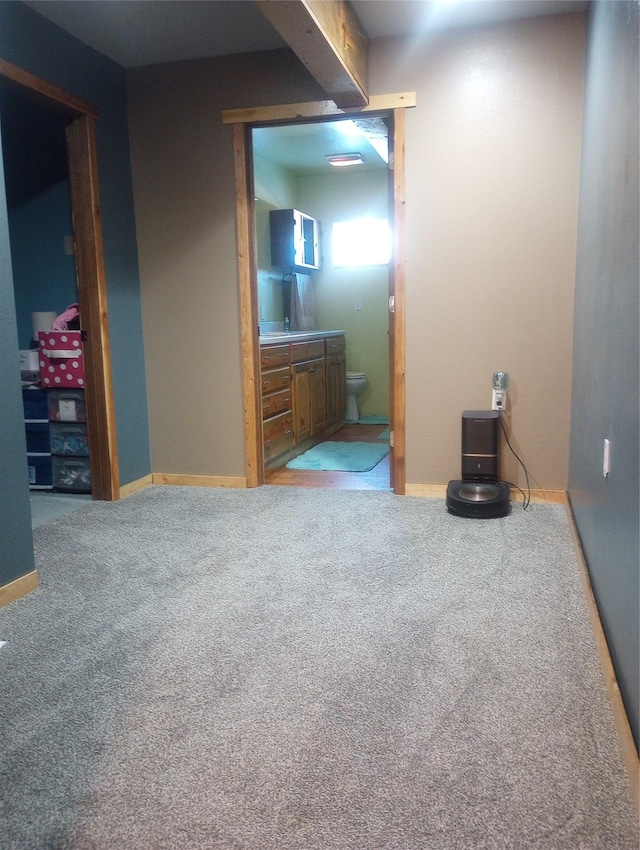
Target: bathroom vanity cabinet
{"points": [[295, 240], [303, 394], [277, 417], [336, 383]]}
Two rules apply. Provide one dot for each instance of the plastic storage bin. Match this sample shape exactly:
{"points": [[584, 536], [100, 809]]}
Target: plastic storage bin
{"points": [[66, 405], [71, 474], [69, 439]]}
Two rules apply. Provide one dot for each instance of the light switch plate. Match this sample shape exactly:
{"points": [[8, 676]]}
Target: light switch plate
{"points": [[606, 458]]}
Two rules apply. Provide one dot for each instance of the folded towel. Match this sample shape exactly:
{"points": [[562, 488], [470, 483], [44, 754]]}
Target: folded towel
{"points": [[302, 303]]}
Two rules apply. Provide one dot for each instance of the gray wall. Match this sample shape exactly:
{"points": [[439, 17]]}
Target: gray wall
{"points": [[32, 43], [605, 375]]}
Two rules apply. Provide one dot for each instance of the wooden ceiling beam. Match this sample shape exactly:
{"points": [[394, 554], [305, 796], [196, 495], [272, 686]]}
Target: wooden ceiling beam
{"points": [[327, 38]]}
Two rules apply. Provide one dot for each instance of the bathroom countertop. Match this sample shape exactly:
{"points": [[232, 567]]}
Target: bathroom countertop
{"points": [[296, 336]]}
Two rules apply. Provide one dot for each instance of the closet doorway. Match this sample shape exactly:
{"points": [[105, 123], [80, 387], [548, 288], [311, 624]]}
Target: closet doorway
{"points": [[80, 118]]}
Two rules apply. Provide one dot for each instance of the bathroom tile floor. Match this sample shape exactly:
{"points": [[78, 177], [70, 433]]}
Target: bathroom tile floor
{"points": [[376, 479]]}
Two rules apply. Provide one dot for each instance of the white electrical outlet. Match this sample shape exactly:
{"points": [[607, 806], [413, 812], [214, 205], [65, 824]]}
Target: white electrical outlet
{"points": [[499, 392], [357, 305], [606, 458]]}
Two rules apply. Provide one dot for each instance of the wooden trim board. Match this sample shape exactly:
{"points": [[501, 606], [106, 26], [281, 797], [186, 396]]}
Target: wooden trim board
{"points": [[248, 293], [18, 588], [199, 480], [135, 486], [439, 491], [92, 295], [327, 38], [628, 749], [41, 90], [397, 315], [293, 112]]}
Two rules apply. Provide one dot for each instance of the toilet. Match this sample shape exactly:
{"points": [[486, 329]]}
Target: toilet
{"points": [[356, 382]]}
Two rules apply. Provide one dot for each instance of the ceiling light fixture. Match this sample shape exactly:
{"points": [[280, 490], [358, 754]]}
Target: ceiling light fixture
{"points": [[342, 159]]}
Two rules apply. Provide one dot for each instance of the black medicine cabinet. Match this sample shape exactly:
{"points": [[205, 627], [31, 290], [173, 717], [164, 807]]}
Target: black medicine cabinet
{"points": [[295, 240]]}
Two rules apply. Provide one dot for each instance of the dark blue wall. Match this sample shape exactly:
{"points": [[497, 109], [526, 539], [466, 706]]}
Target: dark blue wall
{"points": [[38, 199], [44, 277], [605, 402], [16, 544], [34, 44]]}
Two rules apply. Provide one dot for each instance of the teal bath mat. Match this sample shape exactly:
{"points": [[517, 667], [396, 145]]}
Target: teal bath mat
{"points": [[385, 434], [374, 419], [341, 457]]}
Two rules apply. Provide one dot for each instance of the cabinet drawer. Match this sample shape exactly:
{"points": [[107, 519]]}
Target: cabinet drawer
{"points": [[276, 403], [306, 350], [275, 380], [272, 356], [335, 344], [277, 435]]}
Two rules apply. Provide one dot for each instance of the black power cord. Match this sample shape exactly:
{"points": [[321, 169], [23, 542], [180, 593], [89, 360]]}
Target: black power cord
{"points": [[526, 497]]}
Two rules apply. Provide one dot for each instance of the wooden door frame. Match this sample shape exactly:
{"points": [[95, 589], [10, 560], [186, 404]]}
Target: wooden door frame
{"points": [[243, 121], [92, 296]]}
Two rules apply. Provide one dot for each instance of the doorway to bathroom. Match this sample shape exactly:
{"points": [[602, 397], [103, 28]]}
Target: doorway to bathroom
{"points": [[391, 305], [342, 288]]}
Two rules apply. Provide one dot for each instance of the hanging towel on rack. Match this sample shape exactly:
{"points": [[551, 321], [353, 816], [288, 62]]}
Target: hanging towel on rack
{"points": [[303, 303]]}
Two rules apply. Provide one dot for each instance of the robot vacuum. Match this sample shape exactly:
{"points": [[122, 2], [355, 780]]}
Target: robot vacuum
{"points": [[478, 499], [479, 494]]}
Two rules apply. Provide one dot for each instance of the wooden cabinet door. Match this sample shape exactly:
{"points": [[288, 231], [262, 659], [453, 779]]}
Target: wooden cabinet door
{"points": [[341, 386], [301, 402], [336, 394], [317, 396], [308, 396], [332, 399]]}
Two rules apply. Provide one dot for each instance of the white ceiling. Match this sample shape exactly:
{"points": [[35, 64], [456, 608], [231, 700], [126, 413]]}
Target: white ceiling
{"points": [[134, 33], [147, 32], [303, 148]]}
